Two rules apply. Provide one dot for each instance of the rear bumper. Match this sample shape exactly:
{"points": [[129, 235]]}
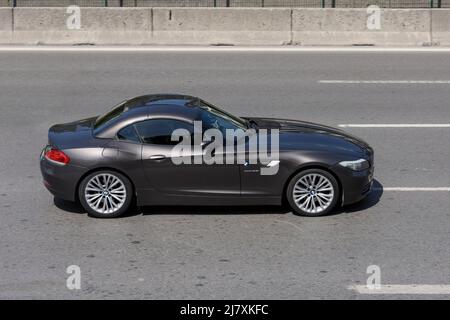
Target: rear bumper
{"points": [[61, 180], [356, 184]]}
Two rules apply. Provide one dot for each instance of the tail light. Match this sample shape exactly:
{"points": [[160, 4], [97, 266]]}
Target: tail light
{"points": [[55, 155]]}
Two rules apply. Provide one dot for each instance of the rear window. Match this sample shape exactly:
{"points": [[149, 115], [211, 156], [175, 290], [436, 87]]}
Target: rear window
{"points": [[103, 120]]}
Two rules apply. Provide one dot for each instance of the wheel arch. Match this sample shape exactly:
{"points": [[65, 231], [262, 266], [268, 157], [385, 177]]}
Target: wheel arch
{"points": [[313, 166]]}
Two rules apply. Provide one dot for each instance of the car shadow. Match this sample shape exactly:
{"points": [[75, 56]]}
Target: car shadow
{"points": [[371, 200], [213, 210], [68, 206]]}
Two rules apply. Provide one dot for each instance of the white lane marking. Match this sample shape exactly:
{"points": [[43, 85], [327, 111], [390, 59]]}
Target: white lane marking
{"points": [[218, 48], [403, 289], [395, 125], [385, 81], [406, 189]]}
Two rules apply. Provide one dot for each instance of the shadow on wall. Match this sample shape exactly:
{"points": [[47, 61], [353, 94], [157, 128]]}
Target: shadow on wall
{"points": [[370, 201]]}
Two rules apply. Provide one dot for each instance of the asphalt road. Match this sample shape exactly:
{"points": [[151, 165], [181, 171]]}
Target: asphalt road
{"points": [[229, 253]]}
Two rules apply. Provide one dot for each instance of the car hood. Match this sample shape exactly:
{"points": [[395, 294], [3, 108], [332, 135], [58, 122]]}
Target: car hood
{"points": [[70, 134], [312, 136]]}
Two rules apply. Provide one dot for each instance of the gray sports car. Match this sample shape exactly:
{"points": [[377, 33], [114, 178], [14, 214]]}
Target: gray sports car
{"points": [[126, 156]]}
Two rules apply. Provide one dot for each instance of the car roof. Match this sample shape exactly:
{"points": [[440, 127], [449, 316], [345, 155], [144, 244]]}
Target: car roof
{"points": [[168, 105], [175, 106], [157, 99]]}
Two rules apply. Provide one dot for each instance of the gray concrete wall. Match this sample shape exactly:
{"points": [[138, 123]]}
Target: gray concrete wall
{"points": [[236, 26], [98, 26], [402, 27], [441, 26], [221, 26], [6, 25]]}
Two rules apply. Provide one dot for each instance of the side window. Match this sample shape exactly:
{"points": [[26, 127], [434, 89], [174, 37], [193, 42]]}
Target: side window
{"points": [[128, 134], [159, 131]]}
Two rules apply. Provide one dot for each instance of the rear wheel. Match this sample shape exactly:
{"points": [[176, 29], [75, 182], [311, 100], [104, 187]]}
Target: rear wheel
{"points": [[105, 194], [313, 192]]}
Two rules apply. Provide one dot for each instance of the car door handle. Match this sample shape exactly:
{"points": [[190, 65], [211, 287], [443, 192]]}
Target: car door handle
{"points": [[157, 157]]}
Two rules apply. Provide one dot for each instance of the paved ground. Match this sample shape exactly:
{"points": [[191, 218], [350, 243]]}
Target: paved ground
{"points": [[228, 253]]}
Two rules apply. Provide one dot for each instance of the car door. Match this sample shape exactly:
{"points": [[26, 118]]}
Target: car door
{"points": [[263, 179], [188, 183]]}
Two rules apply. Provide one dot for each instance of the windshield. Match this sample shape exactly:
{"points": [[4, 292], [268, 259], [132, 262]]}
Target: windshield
{"points": [[231, 119], [113, 114]]}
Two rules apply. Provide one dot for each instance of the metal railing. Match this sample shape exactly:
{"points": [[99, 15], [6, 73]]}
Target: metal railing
{"points": [[231, 3]]}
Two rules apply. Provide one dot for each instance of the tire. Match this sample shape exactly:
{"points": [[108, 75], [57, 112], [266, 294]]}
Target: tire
{"points": [[323, 196], [110, 202]]}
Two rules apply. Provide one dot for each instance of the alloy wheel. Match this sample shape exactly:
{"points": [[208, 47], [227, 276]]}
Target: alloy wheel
{"points": [[313, 193], [105, 193]]}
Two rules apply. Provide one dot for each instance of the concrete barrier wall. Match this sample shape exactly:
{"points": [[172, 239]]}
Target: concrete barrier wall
{"points": [[221, 26], [98, 26], [234, 26], [6, 25], [402, 27], [440, 27]]}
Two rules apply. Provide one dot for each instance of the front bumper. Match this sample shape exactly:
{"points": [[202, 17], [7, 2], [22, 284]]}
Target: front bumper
{"points": [[356, 185]]}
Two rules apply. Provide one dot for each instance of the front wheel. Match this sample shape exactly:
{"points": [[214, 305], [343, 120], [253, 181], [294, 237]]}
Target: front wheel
{"points": [[105, 194], [313, 192]]}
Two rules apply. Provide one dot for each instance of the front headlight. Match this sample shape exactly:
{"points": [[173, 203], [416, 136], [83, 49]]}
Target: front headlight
{"points": [[356, 165]]}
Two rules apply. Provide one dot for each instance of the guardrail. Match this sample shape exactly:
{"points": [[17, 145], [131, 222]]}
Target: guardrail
{"points": [[225, 26], [231, 3]]}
